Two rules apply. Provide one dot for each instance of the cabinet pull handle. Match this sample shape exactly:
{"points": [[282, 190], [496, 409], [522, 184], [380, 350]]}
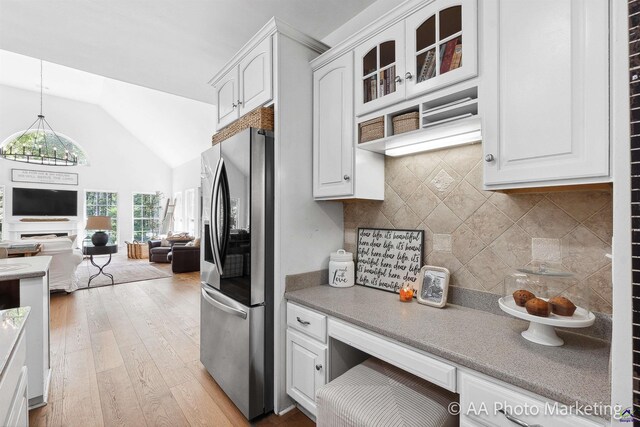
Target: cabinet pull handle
{"points": [[516, 420], [397, 79], [489, 158], [239, 102], [346, 177], [318, 367], [408, 76], [304, 322], [233, 104]]}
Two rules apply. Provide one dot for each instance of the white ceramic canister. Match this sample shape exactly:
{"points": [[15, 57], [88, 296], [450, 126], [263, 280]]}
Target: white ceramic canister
{"points": [[341, 269]]}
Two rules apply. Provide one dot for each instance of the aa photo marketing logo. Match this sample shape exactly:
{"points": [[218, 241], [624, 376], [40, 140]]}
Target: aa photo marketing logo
{"points": [[627, 416]]}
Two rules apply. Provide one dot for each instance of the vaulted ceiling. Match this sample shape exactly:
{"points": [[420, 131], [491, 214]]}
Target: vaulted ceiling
{"points": [[174, 46]]}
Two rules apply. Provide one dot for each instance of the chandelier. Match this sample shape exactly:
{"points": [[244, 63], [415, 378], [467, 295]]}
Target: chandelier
{"points": [[40, 144]]}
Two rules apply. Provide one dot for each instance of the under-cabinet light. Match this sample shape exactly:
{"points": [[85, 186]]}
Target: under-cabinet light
{"points": [[435, 143]]}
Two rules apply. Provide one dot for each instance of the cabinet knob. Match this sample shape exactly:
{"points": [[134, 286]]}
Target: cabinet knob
{"points": [[234, 105], [408, 76], [346, 177], [318, 367], [489, 158], [397, 79], [239, 102]]}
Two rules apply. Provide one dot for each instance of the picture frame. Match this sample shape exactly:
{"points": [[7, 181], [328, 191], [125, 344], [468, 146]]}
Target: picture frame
{"points": [[388, 258], [44, 177], [433, 286]]}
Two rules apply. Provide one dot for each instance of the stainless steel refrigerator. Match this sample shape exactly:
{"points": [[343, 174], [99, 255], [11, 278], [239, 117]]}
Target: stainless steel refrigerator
{"points": [[236, 303]]}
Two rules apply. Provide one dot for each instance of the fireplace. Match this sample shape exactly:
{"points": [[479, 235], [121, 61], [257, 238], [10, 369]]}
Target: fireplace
{"points": [[15, 230], [43, 234]]}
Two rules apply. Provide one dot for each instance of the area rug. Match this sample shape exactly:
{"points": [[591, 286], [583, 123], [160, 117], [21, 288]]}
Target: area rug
{"points": [[123, 271]]}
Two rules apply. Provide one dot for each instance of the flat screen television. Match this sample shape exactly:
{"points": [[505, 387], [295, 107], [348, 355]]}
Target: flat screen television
{"points": [[39, 202]]}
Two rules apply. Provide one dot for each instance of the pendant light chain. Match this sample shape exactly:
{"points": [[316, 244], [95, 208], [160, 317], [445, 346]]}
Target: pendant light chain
{"points": [[41, 87]]}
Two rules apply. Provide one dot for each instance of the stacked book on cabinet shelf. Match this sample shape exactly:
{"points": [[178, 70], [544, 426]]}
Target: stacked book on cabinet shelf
{"points": [[370, 89], [428, 66], [450, 59], [451, 55], [387, 81]]}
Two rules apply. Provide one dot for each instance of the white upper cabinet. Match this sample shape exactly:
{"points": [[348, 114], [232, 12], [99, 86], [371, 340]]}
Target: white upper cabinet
{"points": [[433, 47], [441, 45], [379, 70], [333, 128], [546, 93], [226, 90], [246, 84], [255, 73]]}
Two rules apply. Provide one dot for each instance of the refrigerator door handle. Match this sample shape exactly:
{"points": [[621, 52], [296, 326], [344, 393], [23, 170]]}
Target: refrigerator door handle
{"points": [[213, 229], [224, 182], [227, 309]]}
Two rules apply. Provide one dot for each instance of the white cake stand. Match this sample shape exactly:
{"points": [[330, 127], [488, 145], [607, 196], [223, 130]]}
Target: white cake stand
{"points": [[542, 329]]}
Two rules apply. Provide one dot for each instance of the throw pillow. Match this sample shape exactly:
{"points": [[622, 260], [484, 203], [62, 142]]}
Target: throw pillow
{"points": [[196, 242], [190, 244], [165, 243], [72, 237]]}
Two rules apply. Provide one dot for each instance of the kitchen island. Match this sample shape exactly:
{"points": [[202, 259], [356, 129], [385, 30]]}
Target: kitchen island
{"points": [[24, 282], [471, 340]]}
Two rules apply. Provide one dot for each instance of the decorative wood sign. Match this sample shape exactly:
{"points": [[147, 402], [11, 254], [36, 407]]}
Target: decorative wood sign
{"points": [[44, 177], [389, 258]]}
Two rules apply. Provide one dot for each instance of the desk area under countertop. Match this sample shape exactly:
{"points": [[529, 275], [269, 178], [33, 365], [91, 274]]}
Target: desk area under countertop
{"points": [[481, 341]]}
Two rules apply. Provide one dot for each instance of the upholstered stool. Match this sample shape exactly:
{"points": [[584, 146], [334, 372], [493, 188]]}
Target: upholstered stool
{"points": [[375, 393]]}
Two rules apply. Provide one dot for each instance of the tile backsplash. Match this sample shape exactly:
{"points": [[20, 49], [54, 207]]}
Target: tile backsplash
{"points": [[481, 236]]}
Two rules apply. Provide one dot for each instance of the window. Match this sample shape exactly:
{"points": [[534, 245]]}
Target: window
{"points": [[103, 203], [44, 143], [190, 210], [146, 215], [178, 213], [1, 210]]}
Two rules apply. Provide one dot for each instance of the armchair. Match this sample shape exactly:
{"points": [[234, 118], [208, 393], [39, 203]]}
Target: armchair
{"points": [[157, 252], [184, 258]]}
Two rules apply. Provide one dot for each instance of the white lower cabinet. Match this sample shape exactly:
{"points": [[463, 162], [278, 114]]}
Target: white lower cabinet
{"points": [[13, 388], [306, 369], [481, 401]]}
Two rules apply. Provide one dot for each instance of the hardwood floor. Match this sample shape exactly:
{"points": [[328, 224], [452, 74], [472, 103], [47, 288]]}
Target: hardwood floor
{"points": [[128, 355]]}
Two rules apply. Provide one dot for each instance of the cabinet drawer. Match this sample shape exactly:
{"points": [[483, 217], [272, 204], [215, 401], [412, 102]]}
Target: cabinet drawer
{"points": [[415, 362], [11, 378], [480, 400], [311, 323]]}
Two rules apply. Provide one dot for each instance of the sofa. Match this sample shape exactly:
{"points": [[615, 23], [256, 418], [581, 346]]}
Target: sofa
{"points": [[184, 259], [65, 259]]}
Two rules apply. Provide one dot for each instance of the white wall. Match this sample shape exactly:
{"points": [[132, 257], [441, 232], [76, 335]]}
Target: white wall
{"points": [[361, 20], [185, 177], [118, 161]]}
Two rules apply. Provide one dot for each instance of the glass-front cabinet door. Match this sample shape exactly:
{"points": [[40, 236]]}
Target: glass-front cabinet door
{"points": [[380, 68], [441, 45]]}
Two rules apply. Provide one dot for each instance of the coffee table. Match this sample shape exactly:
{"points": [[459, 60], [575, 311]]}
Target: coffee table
{"points": [[100, 250], [23, 250]]}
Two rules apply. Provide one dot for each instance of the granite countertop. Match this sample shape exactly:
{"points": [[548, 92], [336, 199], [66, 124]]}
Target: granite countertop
{"points": [[24, 267], [12, 321], [484, 342]]}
